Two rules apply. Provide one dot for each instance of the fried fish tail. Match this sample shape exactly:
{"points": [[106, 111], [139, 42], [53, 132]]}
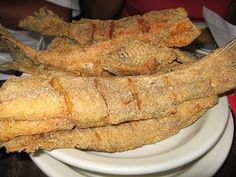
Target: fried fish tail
{"points": [[21, 53], [221, 68], [24, 57], [183, 57], [45, 22], [115, 138], [9, 42], [218, 67]]}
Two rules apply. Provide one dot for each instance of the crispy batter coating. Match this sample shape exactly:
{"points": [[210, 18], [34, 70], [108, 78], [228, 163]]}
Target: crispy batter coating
{"points": [[29, 99], [112, 114], [171, 26], [119, 56], [114, 100], [116, 138], [13, 128], [117, 99]]}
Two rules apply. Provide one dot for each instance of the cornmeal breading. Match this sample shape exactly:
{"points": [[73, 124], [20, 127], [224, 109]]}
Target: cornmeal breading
{"points": [[119, 56], [152, 92], [14, 128], [117, 99], [116, 138], [130, 46], [114, 100], [29, 99], [171, 26]]}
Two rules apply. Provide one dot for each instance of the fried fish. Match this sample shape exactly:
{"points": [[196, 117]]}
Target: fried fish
{"points": [[112, 111], [119, 56], [115, 138], [117, 99], [171, 26]]}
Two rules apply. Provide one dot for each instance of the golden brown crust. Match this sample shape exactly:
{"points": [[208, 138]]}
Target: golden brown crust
{"points": [[114, 100], [30, 99], [115, 138], [171, 26], [168, 102], [14, 128], [119, 56], [145, 97]]}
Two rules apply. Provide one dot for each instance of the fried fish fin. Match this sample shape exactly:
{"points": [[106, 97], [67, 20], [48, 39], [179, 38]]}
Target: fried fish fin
{"points": [[184, 57], [219, 67], [46, 22]]}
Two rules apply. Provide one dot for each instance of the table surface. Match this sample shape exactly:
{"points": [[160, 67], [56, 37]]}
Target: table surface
{"points": [[20, 164]]}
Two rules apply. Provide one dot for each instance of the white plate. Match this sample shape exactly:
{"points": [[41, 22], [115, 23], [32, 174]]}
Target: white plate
{"points": [[213, 160], [176, 151]]}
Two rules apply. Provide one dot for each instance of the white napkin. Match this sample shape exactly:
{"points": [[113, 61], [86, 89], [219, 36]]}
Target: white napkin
{"points": [[222, 31]]}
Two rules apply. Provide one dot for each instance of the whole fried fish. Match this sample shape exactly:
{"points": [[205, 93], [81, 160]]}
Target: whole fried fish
{"points": [[119, 56], [96, 101], [114, 138], [171, 26]]}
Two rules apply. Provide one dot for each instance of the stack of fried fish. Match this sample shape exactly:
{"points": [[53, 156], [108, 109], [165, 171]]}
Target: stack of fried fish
{"points": [[110, 85]]}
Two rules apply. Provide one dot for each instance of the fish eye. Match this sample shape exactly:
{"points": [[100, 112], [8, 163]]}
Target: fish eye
{"points": [[123, 57]]}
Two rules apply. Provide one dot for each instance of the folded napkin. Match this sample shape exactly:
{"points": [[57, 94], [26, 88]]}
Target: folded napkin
{"points": [[223, 32]]}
